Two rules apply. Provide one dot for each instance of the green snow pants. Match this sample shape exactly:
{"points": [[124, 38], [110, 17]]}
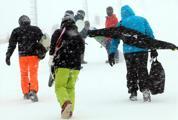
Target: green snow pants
{"points": [[65, 80]]}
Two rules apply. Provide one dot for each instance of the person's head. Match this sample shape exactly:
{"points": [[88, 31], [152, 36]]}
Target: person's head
{"points": [[80, 15], [109, 11], [68, 22], [68, 19], [69, 13], [24, 20], [126, 11]]}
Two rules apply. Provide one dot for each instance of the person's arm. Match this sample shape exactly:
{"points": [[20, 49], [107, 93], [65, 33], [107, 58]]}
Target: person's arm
{"points": [[54, 39], [11, 47], [12, 44]]}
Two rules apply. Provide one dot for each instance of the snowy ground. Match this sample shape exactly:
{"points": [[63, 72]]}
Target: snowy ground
{"points": [[101, 92]]}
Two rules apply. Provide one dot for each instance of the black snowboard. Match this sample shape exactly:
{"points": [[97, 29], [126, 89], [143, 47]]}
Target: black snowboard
{"points": [[132, 37]]}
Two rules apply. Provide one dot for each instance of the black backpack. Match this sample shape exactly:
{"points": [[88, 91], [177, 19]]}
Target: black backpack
{"points": [[156, 78]]}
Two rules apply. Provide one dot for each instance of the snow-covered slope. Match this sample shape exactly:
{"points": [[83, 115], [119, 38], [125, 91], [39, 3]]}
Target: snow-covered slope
{"points": [[101, 92]]}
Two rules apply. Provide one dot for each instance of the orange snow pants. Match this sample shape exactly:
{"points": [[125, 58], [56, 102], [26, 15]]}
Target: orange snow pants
{"points": [[29, 73]]}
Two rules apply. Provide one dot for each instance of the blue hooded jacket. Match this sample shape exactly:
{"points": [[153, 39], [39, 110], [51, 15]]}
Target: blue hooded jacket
{"points": [[129, 20]]}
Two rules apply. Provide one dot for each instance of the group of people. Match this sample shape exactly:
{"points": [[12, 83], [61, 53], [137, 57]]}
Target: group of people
{"points": [[67, 50]]}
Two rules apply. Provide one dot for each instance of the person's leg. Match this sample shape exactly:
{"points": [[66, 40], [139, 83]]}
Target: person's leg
{"points": [[142, 72], [61, 80], [23, 62], [71, 85], [107, 44], [33, 69], [116, 56], [131, 72], [143, 76]]}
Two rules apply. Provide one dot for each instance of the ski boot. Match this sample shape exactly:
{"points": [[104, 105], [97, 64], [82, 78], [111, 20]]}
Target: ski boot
{"points": [[133, 96], [66, 112], [33, 96], [146, 96]]}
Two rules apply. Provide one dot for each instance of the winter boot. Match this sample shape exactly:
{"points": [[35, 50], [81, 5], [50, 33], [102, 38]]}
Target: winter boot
{"points": [[146, 96], [33, 96], [26, 96], [133, 96], [66, 112]]}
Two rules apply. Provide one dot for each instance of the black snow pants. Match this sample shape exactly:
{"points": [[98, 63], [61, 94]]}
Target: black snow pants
{"points": [[137, 72]]}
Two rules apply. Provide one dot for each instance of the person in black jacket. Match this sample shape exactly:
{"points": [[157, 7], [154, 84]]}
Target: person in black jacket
{"points": [[66, 47], [27, 38]]}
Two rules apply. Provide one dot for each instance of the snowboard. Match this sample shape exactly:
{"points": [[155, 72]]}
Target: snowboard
{"points": [[132, 37], [80, 25], [45, 41], [100, 40]]}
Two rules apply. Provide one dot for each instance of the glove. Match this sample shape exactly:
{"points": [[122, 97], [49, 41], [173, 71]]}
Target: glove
{"points": [[154, 53], [8, 62], [111, 59], [176, 48]]}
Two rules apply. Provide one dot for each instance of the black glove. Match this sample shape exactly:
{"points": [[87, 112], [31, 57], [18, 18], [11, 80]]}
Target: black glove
{"points": [[111, 59], [154, 53], [8, 62]]}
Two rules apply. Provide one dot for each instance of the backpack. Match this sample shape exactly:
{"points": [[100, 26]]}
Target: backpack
{"points": [[156, 78]]}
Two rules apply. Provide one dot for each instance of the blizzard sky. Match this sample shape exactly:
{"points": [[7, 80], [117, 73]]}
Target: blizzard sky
{"points": [[50, 12]]}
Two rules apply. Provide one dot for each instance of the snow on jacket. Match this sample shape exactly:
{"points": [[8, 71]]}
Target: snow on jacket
{"points": [[130, 20], [69, 55], [26, 37]]}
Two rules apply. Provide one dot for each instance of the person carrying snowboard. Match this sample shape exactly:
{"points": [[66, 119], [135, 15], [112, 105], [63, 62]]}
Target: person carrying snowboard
{"points": [[27, 38], [136, 58], [66, 46], [111, 21]]}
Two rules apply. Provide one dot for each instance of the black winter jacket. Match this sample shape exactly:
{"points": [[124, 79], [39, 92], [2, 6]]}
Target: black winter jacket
{"points": [[26, 37], [69, 54]]}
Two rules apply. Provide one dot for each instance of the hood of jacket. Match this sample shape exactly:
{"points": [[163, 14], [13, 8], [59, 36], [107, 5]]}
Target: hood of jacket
{"points": [[126, 11]]}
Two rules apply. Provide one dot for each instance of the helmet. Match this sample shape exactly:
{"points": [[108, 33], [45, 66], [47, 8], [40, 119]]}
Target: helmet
{"points": [[67, 21], [81, 12], [109, 11], [24, 20], [80, 15]]}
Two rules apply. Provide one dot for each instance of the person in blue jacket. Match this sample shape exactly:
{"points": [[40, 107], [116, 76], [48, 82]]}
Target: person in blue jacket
{"points": [[136, 58]]}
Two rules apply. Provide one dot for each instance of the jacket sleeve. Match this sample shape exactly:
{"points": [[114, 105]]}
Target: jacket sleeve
{"points": [[39, 34], [148, 30], [54, 39], [12, 43]]}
